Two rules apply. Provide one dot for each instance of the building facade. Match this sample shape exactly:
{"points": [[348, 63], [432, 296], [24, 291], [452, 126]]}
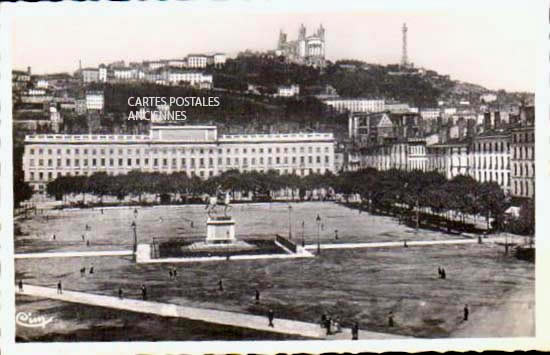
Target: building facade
{"points": [[356, 105], [195, 150], [490, 158], [522, 162]]}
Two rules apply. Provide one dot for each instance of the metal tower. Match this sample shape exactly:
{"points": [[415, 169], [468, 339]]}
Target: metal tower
{"points": [[404, 59]]}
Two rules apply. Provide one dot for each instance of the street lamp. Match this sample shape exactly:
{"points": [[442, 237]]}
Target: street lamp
{"points": [[289, 222], [417, 216], [318, 219], [303, 238], [133, 225]]}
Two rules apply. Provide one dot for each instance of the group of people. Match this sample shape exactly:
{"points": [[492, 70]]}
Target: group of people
{"points": [[173, 272], [442, 273], [331, 324]]}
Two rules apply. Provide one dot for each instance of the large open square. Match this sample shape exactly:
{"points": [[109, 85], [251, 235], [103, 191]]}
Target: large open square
{"points": [[361, 285]]}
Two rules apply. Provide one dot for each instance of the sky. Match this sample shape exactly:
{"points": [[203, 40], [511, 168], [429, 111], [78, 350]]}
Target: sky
{"points": [[484, 42]]}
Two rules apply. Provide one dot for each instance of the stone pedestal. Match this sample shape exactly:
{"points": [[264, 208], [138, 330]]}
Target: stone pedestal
{"points": [[220, 230]]}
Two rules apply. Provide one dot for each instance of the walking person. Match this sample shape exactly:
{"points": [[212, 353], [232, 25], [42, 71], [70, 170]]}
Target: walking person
{"points": [[91, 269], [120, 292], [328, 323], [466, 312], [83, 239], [390, 319], [270, 317], [220, 285], [439, 271], [443, 274], [175, 272], [336, 234], [87, 243], [171, 274], [143, 292], [257, 296], [59, 288], [53, 237], [323, 320], [355, 331], [20, 285]]}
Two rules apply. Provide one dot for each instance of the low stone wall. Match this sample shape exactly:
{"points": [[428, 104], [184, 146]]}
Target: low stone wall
{"points": [[286, 243]]}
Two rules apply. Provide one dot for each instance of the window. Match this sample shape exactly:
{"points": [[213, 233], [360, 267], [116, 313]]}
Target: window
{"points": [[102, 161], [76, 162], [93, 162], [164, 162], [32, 151], [155, 162], [68, 162], [111, 162], [120, 162]]}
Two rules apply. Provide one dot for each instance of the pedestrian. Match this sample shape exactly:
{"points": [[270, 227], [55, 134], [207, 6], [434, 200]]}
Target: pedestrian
{"points": [[59, 288], [466, 312], [83, 237], [443, 274], [220, 285], [87, 243], [120, 292], [175, 272], [337, 325], [87, 227], [390, 319], [82, 271], [439, 271], [91, 269], [355, 331], [270, 316], [102, 211], [143, 292], [405, 244], [192, 224], [171, 274], [336, 234], [328, 323], [53, 237], [257, 296], [20, 285]]}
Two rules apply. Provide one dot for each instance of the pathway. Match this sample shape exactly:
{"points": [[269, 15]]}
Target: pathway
{"points": [[71, 254], [401, 243], [285, 326]]}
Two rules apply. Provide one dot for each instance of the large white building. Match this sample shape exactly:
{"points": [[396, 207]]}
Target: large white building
{"points": [[193, 78], [197, 61], [356, 105], [95, 100], [196, 150]]}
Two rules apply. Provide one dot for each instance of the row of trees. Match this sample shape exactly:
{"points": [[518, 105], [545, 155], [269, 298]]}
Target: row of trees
{"points": [[401, 192]]}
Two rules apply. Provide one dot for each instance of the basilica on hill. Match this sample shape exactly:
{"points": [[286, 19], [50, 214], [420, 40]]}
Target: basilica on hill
{"points": [[307, 50]]}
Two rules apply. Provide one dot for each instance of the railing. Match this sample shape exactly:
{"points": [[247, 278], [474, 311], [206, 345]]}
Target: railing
{"points": [[85, 137]]}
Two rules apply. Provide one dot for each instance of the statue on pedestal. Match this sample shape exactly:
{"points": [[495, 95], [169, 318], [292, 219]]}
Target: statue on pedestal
{"points": [[222, 198]]}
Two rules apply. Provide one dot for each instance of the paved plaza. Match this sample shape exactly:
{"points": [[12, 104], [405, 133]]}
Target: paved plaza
{"points": [[366, 272]]}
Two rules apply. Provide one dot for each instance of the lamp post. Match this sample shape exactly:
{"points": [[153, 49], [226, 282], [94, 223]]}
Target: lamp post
{"points": [[133, 225], [318, 219], [417, 216], [289, 222], [303, 238]]}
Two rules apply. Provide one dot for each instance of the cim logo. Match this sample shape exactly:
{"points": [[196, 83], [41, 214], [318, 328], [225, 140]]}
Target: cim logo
{"points": [[26, 319]]}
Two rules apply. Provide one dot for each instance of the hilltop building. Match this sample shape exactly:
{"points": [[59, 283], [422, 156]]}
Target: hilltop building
{"points": [[308, 50]]}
